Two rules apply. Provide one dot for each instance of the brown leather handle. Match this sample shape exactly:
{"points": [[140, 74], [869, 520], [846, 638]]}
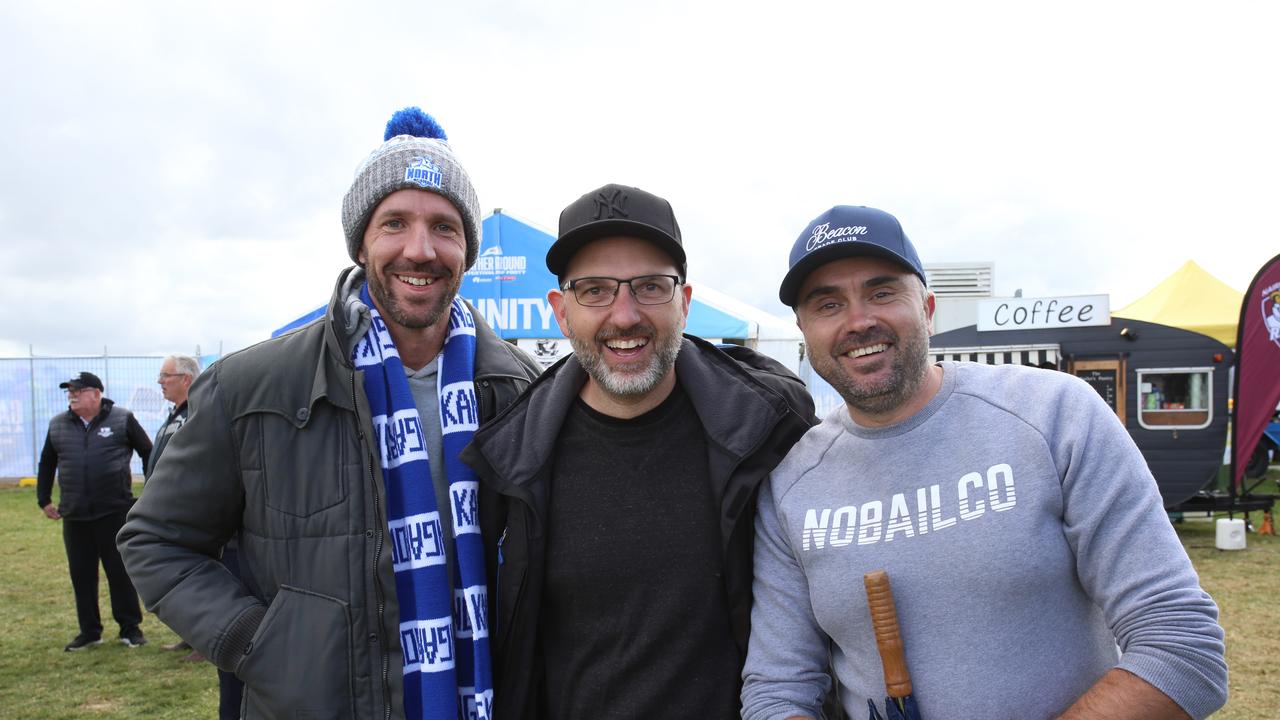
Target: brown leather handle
{"points": [[884, 620]]}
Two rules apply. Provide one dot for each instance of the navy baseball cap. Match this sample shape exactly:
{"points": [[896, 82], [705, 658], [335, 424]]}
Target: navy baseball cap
{"points": [[616, 210], [847, 231]]}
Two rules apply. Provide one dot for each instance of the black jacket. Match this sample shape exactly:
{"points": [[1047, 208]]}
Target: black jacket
{"points": [[92, 462], [752, 410], [279, 451], [171, 425]]}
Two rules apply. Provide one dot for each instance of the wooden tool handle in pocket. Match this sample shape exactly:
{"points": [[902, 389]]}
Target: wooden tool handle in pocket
{"points": [[884, 619]]}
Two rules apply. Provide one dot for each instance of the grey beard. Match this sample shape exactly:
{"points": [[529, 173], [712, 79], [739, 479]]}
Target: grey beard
{"points": [[628, 384]]}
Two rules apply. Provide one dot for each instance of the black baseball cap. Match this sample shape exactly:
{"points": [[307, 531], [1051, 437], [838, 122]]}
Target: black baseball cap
{"points": [[83, 380], [616, 210], [847, 231]]}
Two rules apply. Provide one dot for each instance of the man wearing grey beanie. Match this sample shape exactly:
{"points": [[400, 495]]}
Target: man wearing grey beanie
{"points": [[330, 452]]}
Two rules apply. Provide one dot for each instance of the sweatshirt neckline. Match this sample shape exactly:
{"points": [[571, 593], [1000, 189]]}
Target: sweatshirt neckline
{"points": [[934, 405]]}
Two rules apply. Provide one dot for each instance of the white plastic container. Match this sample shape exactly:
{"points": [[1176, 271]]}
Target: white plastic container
{"points": [[1230, 534]]}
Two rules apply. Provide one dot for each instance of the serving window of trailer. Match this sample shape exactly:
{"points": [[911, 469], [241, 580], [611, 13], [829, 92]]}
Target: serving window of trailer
{"points": [[1175, 398]]}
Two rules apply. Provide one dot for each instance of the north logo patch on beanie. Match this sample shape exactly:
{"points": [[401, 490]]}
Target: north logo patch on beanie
{"points": [[423, 173]]}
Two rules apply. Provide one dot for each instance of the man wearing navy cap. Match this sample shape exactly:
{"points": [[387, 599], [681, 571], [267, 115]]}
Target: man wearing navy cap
{"points": [[1035, 572], [627, 477], [89, 447]]}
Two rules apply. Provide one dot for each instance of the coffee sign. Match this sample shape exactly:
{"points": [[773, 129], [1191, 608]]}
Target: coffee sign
{"points": [[997, 314]]}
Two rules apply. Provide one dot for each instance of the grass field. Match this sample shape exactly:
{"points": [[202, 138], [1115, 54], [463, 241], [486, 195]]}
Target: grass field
{"points": [[40, 681], [1246, 585]]}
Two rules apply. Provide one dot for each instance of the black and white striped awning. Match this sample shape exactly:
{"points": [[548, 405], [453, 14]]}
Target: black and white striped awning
{"points": [[1035, 355]]}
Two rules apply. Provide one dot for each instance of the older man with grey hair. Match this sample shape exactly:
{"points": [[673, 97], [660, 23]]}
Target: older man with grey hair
{"points": [[177, 372], [88, 449]]}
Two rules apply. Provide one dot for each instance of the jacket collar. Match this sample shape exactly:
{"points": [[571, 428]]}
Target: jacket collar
{"points": [[348, 319], [709, 377], [737, 412], [521, 439], [103, 412]]}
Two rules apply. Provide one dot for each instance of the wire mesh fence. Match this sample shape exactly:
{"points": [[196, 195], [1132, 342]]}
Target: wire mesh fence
{"points": [[30, 398]]}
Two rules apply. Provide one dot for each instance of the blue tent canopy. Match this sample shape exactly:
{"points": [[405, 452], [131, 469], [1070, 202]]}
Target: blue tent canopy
{"points": [[299, 322], [509, 284], [510, 280]]}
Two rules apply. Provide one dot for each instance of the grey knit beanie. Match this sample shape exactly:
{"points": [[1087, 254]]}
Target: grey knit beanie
{"points": [[416, 155]]}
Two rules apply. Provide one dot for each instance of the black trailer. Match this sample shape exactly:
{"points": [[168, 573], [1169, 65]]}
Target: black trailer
{"points": [[1168, 385]]}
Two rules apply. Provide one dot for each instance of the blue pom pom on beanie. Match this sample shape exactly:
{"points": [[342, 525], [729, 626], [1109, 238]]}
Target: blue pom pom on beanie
{"points": [[413, 121]]}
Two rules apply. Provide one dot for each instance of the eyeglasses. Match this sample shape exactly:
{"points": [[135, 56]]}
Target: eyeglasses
{"points": [[602, 291], [72, 392], [164, 375]]}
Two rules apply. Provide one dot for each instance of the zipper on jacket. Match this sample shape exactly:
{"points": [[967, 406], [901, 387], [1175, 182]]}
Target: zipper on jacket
{"points": [[484, 400], [377, 555], [502, 633], [84, 463], [497, 582]]}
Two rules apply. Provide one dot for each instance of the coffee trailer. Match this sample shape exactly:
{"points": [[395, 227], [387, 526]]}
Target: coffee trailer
{"points": [[1168, 386]]}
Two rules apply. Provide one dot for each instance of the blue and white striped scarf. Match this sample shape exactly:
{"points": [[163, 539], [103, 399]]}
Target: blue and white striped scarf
{"points": [[444, 633]]}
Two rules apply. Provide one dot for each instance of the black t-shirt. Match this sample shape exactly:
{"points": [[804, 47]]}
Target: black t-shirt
{"points": [[635, 622]]}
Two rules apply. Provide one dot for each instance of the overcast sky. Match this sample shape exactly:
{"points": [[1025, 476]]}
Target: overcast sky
{"points": [[173, 172]]}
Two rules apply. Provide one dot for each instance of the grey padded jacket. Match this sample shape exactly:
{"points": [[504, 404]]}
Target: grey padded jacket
{"points": [[278, 452]]}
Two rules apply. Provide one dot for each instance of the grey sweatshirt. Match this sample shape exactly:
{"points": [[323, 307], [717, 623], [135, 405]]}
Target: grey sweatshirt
{"points": [[1024, 538]]}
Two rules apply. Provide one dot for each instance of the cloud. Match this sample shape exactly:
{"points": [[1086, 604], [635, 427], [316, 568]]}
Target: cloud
{"points": [[175, 172]]}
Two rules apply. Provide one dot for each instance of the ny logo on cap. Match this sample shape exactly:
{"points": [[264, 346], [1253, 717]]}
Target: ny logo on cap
{"points": [[423, 173], [613, 202]]}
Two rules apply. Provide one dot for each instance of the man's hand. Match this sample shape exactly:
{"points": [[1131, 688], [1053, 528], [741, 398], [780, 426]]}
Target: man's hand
{"points": [[51, 512]]}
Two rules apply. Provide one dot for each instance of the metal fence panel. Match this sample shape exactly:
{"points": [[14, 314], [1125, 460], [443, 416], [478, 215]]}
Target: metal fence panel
{"points": [[30, 398], [17, 441]]}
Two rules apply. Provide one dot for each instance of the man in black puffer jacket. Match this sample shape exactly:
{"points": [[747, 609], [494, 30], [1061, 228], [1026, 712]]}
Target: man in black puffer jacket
{"points": [[90, 446], [626, 481]]}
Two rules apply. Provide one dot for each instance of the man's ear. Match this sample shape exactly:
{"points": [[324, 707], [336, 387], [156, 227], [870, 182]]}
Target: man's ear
{"points": [[686, 298], [557, 300]]}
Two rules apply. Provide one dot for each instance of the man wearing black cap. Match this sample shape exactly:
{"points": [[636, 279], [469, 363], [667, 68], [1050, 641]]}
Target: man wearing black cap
{"points": [[89, 448], [627, 474], [1021, 528]]}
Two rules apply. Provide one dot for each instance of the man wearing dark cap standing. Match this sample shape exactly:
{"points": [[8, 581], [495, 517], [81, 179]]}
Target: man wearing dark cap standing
{"points": [[89, 447], [1034, 570], [627, 476], [331, 454]]}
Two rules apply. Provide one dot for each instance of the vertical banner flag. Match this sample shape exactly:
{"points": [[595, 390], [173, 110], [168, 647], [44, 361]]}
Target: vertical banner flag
{"points": [[1257, 387]]}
